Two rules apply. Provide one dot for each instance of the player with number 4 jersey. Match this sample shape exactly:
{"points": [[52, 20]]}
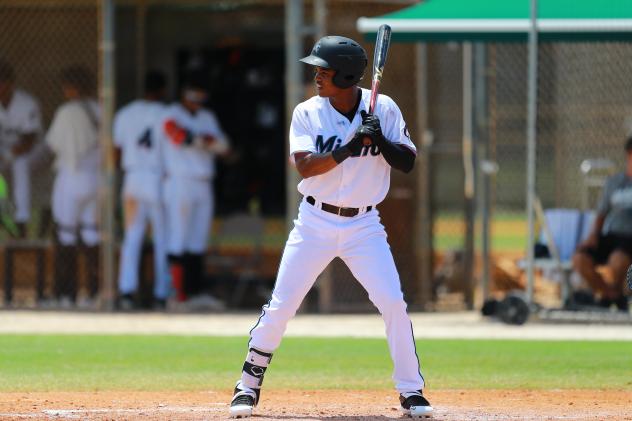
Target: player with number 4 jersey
{"points": [[142, 162]]}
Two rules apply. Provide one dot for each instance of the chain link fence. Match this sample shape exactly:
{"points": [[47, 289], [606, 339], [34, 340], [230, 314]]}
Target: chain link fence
{"points": [[583, 104], [240, 45], [583, 110], [582, 124], [39, 41]]}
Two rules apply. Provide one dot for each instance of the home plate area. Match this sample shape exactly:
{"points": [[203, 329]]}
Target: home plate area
{"points": [[321, 404]]}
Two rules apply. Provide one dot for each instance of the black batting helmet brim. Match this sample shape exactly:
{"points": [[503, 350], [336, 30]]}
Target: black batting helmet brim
{"points": [[315, 61]]}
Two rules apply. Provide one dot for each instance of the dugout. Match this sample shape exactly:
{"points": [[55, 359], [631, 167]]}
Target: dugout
{"points": [[250, 50], [234, 40], [542, 87], [583, 97]]}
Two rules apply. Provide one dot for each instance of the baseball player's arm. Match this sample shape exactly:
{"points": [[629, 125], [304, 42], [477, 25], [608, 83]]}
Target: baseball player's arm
{"points": [[593, 238], [217, 145], [177, 134], [603, 208], [310, 164], [396, 155], [183, 137], [214, 140]]}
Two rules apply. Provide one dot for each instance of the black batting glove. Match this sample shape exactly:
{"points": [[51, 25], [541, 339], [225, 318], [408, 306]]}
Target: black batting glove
{"points": [[371, 127], [372, 122], [356, 144], [352, 148]]}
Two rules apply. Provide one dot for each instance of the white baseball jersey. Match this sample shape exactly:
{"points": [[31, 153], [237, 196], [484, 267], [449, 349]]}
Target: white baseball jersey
{"points": [[133, 125], [73, 136], [187, 160], [358, 181], [189, 168], [21, 117], [360, 241], [144, 170]]}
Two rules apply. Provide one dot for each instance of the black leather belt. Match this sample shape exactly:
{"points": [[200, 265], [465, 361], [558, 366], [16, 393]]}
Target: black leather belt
{"points": [[348, 212]]}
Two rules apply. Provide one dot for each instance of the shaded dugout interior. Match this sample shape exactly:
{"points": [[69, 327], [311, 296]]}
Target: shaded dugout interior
{"points": [[245, 81], [241, 45]]}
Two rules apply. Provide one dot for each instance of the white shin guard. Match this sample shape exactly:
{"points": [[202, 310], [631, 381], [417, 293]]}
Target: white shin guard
{"points": [[254, 368]]}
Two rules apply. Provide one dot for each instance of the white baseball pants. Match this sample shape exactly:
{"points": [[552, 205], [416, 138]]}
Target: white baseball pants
{"points": [[189, 206], [317, 238], [75, 195], [21, 186], [143, 204]]}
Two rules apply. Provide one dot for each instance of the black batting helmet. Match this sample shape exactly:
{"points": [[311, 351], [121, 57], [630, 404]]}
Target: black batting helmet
{"points": [[341, 54]]}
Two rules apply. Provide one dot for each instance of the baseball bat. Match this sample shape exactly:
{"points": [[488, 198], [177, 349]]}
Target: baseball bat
{"points": [[382, 42]]}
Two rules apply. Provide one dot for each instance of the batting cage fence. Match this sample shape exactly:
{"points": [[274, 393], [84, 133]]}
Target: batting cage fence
{"points": [[451, 248]]}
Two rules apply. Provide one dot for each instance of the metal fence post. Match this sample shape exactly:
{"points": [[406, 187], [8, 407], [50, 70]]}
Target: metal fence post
{"points": [[469, 170], [106, 97], [294, 94], [423, 210], [532, 98]]}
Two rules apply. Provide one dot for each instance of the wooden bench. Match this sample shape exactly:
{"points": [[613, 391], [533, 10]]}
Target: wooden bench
{"points": [[14, 246]]}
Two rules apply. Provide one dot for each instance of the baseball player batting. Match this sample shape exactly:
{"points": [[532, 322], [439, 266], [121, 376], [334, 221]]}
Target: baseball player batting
{"points": [[344, 177]]}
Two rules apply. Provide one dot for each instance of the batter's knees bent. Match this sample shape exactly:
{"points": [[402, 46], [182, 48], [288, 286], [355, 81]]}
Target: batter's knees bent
{"points": [[389, 303]]}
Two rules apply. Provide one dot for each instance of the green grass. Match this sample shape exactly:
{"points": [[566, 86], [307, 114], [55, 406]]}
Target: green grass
{"points": [[508, 232], [74, 362]]}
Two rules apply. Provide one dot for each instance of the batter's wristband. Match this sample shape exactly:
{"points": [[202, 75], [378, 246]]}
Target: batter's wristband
{"points": [[340, 154]]}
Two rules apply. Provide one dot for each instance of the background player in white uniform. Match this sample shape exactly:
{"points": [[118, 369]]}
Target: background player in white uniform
{"points": [[191, 137], [20, 128], [142, 190], [73, 137], [345, 162]]}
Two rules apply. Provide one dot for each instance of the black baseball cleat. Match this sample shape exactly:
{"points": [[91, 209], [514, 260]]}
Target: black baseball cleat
{"points": [[159, 304], [244, 400], [415, 405], [126, 302]]}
